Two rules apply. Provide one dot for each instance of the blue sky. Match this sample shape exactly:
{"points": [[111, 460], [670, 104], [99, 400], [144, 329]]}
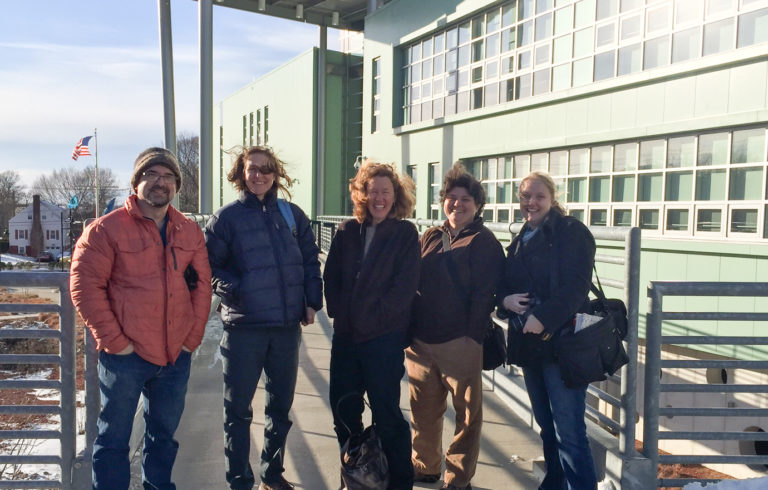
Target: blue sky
{"points": [[67, 67]]}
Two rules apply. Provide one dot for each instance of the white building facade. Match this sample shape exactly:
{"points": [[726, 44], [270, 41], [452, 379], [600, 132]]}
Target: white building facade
{"points": [[55, 224]]}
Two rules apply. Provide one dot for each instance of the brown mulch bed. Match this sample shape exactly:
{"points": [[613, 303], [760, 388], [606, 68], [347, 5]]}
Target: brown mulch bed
{"points": [[693, 471]]}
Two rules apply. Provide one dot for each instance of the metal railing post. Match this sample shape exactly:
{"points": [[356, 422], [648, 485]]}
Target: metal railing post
{"points": [[652, 374]]}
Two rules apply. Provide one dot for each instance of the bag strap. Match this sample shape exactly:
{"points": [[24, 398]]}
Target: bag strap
{"points": [[287, 212], [346, 396]]}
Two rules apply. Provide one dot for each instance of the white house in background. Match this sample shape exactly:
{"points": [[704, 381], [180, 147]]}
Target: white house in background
{"points": [[55, 224]]}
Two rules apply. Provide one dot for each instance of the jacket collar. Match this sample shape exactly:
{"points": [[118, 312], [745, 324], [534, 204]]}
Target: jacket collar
{"points": [[473, 227], [175, 218], [250, 199]]}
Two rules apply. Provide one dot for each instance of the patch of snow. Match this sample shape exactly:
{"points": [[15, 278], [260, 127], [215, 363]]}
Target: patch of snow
{"points": [[15, 259], [747, 484]]}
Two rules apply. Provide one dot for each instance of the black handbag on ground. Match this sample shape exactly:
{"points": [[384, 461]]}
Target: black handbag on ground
{"points": [[597, 350], [494, 346], [363, 462]]}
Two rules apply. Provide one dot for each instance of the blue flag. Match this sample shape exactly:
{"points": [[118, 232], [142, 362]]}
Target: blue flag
{"points": [[72, 202], [110, 206]]}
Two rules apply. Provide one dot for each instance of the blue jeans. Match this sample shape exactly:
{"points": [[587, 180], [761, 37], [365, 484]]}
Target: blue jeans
{"points": [[122, 380], [559, 411], [375, 367], [246, 353]]}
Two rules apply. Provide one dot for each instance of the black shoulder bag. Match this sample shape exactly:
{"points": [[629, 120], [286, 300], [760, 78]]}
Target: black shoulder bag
{"points": [[494, 346]]}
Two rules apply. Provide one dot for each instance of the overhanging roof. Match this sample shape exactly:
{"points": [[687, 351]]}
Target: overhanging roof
{"points": [[340, 14]]}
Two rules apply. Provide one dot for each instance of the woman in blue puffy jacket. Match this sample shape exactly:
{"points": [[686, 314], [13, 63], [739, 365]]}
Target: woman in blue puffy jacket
{"points": [[267, 273]]}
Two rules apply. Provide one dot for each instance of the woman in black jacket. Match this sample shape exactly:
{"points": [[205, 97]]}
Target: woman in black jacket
{"points": [[461, 263], [267, 273], [546, 282], [371, 276]]}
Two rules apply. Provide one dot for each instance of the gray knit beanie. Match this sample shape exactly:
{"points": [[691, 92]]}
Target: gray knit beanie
{"points": [[155, 156]]}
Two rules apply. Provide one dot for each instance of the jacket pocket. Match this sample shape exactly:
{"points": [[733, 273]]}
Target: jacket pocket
{"points": [[136, 258]]}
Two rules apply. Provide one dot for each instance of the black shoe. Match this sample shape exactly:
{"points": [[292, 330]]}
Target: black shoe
{"points": [[451, 486], [425, 478]]}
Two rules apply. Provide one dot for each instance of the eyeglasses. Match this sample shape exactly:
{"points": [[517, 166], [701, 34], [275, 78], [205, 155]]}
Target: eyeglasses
{"points": [[262, 170], [152, 176]]}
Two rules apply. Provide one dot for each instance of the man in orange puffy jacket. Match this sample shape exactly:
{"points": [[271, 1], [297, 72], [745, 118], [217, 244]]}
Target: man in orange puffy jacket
{"points": [[140, 279]]}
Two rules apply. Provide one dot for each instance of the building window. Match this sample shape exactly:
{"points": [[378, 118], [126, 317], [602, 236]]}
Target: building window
{"points": [[411, 171], [245, 130], [258, 127], [250, 129], [376, 95], [525, 48], [434, 190], [266, 125]]}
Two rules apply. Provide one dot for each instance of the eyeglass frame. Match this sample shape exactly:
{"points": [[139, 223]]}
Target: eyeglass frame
{"points": [[151, 176]]}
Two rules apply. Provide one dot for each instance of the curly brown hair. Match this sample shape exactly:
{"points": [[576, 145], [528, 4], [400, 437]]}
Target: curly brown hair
{"points": [[405, 198], [236, 174]]}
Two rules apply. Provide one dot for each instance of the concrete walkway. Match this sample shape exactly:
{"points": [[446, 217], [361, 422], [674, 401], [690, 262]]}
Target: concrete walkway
{"points": [[312, 461]]}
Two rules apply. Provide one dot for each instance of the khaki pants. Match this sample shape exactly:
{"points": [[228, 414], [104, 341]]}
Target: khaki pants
{"points": [[434, 370]]}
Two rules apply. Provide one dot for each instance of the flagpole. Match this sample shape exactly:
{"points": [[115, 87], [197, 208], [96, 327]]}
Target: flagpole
{"points": [[96, 180]]}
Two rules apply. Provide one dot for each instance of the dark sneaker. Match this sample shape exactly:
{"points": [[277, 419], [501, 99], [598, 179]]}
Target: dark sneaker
{"points": [[425, 478], [451, 486], [281, 484]]}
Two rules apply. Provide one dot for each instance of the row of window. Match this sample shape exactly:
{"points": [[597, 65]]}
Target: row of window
{"points": [[708, 184], [24, 234], [525, 48], [258, 135]]}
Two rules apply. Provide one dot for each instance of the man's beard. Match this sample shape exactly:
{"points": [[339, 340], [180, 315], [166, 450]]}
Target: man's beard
{"points": [[157, 199]]}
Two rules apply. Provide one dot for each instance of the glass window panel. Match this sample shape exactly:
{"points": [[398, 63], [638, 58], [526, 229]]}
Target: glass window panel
{"points": [[503, 214], [539, 162], [463, 78], [450, 105], [439, 64], [439, 43], [746, 183], [718, 36], [492, 46], [427, 47], [426, 69], [677, 219], [599, 189], [415, 92], [426, 110], [416, 53], [464, 33], [524, 60], [624, 188], [583, 42], [629, 59], [606, 34], [651, 154], [577, 213], [627, 5], [558, 162], [451, 83], [561, 77], [523, 86], [600, 159], [605, 65], [649, 187], [744, 220], [508, 14], [656, 53], [416, 73], [562, 49], [522, 166], [452, 59], [564, 20], [713, 149], [526, 8], [543, 27], [579, 161], [606, 8], [625, 157], [477, 98], [657, 19], [709, 220], [508, 39], [462, 102], [648, 219], [416, 113], [477, 74], [493, 20], [686, 45], [753, 28], [688, 11], [681, 152], [491, 94], [577, 190], [525, 33], [507, 65], [426, 90], [748, 146], [543, 5], [452, 38], [582, 72], [630, 27], [719, 6], [490, 194], [477, 50], [679, 186], [506, 169], [542, 54], [622, 217], [598, 217], [710, 185], [585, 13], [437, 108], [491, 69], [492, 168], [509, 89]]}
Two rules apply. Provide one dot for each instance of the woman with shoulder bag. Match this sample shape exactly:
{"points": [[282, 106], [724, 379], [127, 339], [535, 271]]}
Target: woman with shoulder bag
{"points": [[371, 276], [546, 282], [461, 263]]}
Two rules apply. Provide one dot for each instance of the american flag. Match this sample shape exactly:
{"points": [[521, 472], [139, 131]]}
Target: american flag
{"points": [[81, 148]]}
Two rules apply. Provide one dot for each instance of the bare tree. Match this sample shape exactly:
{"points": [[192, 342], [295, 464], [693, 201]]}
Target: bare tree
{"points": [[11, 195], [189, 159], [59, 187]]}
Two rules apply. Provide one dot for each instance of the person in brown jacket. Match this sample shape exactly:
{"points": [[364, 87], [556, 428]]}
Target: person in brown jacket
{"points": [[141, 281], [461, 263]]}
